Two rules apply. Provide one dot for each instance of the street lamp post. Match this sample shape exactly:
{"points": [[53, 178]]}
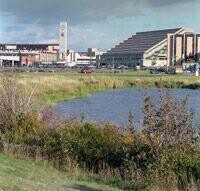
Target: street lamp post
{"points": [[113, 63], [197, 69]]}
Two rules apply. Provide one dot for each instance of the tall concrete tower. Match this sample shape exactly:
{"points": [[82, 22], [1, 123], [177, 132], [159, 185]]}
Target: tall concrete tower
{"points": [[63, 41]]}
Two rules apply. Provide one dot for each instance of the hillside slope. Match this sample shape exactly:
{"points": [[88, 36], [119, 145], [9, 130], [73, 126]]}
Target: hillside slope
{"points": [[21, 175]]}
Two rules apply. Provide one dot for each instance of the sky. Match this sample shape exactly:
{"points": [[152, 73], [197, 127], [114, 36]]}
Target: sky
{"points": [[92, 23]]}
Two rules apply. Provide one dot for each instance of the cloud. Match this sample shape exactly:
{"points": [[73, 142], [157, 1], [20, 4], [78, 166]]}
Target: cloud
{"points": [[78, 11], [31, 33], [92, 23], [164, 3], [80, 37]]}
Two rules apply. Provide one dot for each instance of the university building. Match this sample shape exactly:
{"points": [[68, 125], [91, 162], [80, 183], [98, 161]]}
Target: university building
{"points": [[155, 48], [89, 57], [26, 54]]}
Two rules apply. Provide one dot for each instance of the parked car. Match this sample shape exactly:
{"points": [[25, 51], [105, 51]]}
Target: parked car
{"points": [[153, 71], [162, 70], [188, 72], [157, 71], [86, 70], [121, 67], [171, 71]]}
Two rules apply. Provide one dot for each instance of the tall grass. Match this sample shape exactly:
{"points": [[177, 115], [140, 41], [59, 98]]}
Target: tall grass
{"points": [[66, 86]]}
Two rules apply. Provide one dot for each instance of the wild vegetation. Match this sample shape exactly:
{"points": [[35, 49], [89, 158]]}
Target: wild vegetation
{"points": [[164, 155], [62, 86]]}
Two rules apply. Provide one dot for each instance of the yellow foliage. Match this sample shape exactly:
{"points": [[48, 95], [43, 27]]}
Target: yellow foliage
{"points": [[128, 139]]}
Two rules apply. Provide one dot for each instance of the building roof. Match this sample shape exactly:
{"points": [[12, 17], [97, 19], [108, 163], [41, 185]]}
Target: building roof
{"points": [[141, 42], [28, 46], [83, 53]]}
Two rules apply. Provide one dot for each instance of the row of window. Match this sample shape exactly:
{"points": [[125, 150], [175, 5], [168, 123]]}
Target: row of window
{"points": [[120, 58]]}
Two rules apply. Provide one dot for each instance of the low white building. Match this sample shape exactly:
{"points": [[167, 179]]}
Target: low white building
{"points": [[89, 57]]}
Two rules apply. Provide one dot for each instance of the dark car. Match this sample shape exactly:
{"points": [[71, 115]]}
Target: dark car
{"points": [[162, 70], [157, 70], [153, 71], [171, 71], [86, 70]]}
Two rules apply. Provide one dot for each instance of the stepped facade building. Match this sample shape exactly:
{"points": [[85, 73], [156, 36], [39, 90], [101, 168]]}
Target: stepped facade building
{"points": [[155, 48]]}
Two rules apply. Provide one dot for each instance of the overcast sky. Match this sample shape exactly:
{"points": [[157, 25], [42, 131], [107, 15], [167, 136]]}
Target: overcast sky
{"points": [[92, 23]]}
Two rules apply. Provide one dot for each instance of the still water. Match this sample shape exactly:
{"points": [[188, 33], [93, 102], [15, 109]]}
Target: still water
{"points": [[114, 105]]}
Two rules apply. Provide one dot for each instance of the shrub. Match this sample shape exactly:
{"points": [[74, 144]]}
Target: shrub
{"points": [[92, 145], [15, 104], [28, 129], [169, 132]]}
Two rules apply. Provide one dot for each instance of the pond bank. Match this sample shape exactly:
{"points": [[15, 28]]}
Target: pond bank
{"points": [[66, 86]]}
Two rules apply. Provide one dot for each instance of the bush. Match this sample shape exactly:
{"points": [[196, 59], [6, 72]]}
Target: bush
{"points": [[93, 146], [169, 132], [28, 130], [15, 104]]}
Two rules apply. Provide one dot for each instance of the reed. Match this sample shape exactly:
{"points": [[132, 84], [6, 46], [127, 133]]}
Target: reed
{"points": [[54, 87]]}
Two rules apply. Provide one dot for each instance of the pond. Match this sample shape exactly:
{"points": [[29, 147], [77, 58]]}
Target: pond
{"points": [[114, 105]]}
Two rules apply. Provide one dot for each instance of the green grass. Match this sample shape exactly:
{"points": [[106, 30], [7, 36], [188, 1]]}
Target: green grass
{"points": [[64, 86], [21, 175]]}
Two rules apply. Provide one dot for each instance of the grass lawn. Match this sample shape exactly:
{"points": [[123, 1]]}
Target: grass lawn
{"points": [[21, 175]]}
